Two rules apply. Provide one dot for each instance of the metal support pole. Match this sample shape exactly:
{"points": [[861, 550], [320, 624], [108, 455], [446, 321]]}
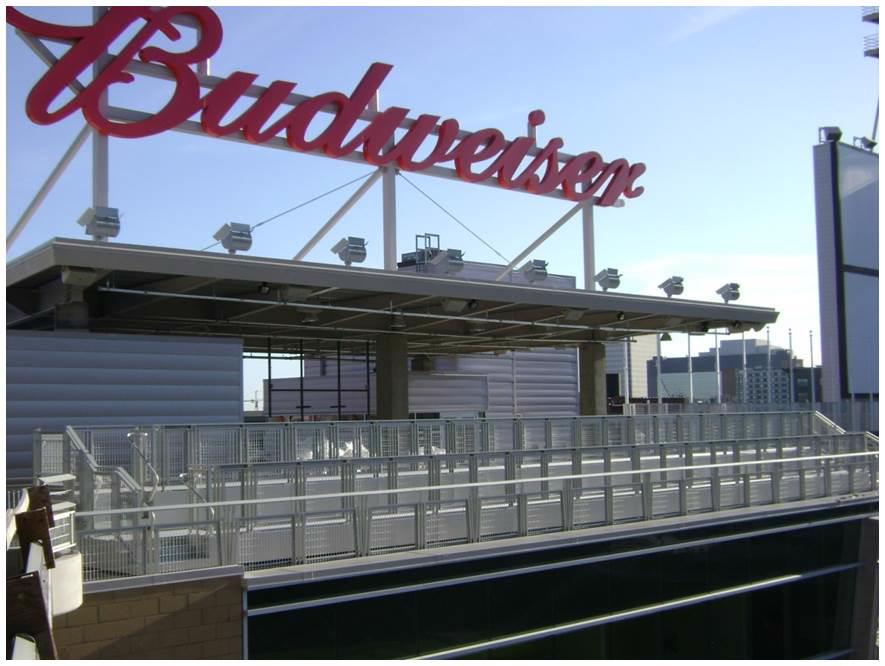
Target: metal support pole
{"points": [[56, 173], [100, 153], [690, 377], [718, 369], [269, 383], [389, 211], [368, 383], [792, 390], [589, 248], [768, 351], [626, 376], [660, 382], [338, 367], [811, 351], [745, 392], [301, 385]]}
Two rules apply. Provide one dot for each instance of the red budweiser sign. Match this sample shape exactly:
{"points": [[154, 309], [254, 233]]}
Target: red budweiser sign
{"points": [[514, 164]]}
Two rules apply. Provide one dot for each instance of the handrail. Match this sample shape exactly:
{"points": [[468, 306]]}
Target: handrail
{"points": [[504, 482], [149, 500]]}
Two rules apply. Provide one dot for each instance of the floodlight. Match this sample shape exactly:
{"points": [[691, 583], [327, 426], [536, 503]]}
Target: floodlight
{"points": [[351, 250], [620, 316], [310, 317], [666, 337], [264, 289], [672, 286], [448, 261], [234, 236], [829, 134], [101, 222], [730, 291], [534, 270], [608, 278]]}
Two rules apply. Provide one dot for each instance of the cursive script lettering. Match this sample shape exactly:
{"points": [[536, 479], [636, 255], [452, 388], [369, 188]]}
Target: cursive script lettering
{"points": [[580, 178]]}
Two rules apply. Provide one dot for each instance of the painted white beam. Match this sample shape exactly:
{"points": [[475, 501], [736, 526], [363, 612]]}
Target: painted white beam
{"points": [[356, 196]]}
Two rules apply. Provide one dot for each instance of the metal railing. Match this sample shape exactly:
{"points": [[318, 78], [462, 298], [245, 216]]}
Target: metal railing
{"points": [[302, 527], [853, 415], [172, 449]]}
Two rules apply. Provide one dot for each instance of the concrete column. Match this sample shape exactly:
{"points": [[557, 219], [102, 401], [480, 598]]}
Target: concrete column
{"points": [[392, 377], [591, 379]]}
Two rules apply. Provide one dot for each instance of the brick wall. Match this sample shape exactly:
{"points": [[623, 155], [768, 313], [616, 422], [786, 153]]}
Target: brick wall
{"points": [[190, 619]]}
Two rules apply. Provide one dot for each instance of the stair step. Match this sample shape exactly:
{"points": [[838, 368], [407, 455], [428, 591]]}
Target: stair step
{"points": [[63, 507], [57, 479]]}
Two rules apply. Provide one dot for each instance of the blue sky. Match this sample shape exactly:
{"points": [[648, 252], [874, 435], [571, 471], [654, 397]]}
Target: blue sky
{"points": [[721, 103]]}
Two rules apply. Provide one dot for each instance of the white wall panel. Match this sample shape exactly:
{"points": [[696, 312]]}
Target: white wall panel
{"points": [[56, 379]]}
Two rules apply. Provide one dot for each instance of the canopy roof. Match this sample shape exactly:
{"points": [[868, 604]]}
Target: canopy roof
{"points": [[278, 303]]}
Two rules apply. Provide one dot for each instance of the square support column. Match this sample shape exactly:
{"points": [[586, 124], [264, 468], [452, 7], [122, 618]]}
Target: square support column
{"points": [[392, 377], [591, 378]]}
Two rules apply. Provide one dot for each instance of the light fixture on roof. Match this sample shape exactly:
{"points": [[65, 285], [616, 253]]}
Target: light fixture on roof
{"points": [[608, 278], [397, 320], [620, 316], [730, 291], [101, 222], [234, 236], [449, 261], [865, 143], [534, 270], [829, 133], [474, 327], [666, 337], [264, 289], [672, 286], [350, 250], [310, 317], [573, 314]]}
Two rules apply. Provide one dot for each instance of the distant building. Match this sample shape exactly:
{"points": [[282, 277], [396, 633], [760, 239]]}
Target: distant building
{"points": [[846, 184], [753, 389]]}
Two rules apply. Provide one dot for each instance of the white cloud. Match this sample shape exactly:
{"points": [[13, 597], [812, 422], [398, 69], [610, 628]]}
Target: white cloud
{"points": [[704, 18]]}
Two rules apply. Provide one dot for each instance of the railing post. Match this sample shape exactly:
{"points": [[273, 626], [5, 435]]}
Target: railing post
{"points": [[683, 497], [509, 475], [518, 434], [420, 526], [776, 473], [392, 481], [577, 464], [715, 481], [545, 472], [522, 510], [577, 433], [567, 498], [362, 526], [485, 434], [803, 490], [603, 426], [548, 434], [636, 462], [662, 460], [748, 498], [608, 491], [647, 498], [473, 502]]}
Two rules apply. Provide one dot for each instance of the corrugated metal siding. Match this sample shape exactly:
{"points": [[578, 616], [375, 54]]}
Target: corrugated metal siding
{"points": [[446, 394], [56, 379]]}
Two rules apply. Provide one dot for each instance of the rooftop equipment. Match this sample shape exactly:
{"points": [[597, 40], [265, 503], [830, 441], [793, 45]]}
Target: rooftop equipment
{"points": [[351, 250], [101, 222], [234, 236], [608, 278]]}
